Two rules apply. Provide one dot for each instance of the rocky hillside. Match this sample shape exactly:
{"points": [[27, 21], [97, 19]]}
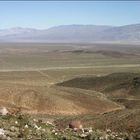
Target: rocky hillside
{"points": [[19, 126]]}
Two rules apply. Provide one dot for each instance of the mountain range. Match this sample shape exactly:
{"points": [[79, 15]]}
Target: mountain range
{"points": [[73, 33]]}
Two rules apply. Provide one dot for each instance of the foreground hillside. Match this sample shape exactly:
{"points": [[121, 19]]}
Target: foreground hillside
{"points": [[19, 126]]}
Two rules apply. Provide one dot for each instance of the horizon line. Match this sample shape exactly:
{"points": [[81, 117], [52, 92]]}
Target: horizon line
{"points": [[28, 27]]}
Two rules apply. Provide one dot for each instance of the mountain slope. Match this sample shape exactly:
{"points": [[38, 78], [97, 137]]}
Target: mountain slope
{"points": [[116, 85], [57, 100], [127, 33], [73, 33], [123, 88]]}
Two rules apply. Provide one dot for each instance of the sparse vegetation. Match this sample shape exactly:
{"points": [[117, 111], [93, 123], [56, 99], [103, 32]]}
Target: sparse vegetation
{"points": [[21, 126]]}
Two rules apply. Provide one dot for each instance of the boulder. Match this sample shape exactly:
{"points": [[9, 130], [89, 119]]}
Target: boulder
{"points": [[75, 125]]}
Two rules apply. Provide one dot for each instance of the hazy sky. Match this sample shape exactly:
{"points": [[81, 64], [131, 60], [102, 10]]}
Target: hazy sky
{"points": [[46, 14]]}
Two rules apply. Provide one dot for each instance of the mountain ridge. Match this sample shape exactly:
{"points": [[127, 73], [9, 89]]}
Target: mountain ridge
{"points": [[73, 33]]}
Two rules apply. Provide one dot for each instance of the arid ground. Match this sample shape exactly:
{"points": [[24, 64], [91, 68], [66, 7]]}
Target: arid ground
{"points": [[96, 83]]}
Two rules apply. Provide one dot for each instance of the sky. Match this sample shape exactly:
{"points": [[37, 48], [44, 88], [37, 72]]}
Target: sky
{"points": [[46, 14]]}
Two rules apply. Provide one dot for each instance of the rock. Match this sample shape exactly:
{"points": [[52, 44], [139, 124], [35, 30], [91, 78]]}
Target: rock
{"points": [[75, 129], [37, 127], [89, 130], [35, 120], [16, 122], [101, 138], [75, 125], [108, 130], [14, 129], [3, 111], [2, 132], [55, 133], [50, 123], [83, 135], [26, 126]]}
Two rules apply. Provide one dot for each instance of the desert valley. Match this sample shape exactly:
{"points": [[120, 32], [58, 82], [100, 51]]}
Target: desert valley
{"points": [[96, 84]]}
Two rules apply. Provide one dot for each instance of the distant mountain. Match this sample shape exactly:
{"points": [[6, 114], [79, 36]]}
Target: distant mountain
{"points": [[122, 33], [16, 31], [73, 33]]}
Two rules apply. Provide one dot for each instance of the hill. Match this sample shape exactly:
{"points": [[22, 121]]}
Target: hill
{"points": [[67, 101], [109, 83], [123, 88]]}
